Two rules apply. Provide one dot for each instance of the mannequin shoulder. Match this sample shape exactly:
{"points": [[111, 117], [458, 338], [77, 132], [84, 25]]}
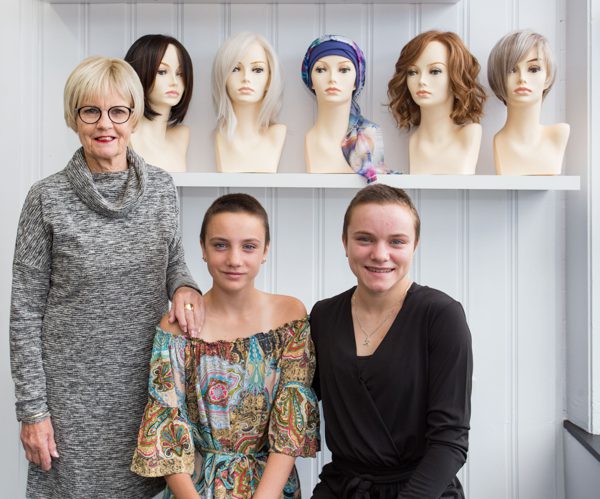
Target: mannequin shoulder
{"points": [[277, 132], [558, 133], [469, 133]]}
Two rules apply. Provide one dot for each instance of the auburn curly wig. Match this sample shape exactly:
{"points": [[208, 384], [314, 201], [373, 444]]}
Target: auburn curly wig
{"points": [[463, 68]]}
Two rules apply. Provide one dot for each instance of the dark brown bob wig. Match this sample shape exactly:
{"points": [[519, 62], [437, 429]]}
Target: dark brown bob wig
{"points": [[463, 68], [145, 56]]}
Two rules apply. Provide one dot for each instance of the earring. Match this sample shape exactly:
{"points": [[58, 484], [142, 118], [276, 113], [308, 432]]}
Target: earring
{"points": [[204, 258], [264, 260]]}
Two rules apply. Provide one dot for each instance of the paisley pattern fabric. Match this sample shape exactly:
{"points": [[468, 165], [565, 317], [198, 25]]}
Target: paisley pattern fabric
{"points": [[216, 410]]}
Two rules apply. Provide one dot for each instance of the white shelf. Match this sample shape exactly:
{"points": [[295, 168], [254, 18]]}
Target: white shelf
{"points": [[258, 1], [352, 181]]}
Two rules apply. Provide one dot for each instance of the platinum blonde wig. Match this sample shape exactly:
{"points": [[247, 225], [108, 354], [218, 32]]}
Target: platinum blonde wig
{"points": [[99, 76], [227, 57], [509, 51]]}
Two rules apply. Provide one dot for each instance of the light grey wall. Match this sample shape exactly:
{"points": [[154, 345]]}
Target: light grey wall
{"points": [[582, 470], [500, 252]]}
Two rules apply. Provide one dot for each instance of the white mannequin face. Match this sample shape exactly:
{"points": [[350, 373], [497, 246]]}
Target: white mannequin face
{"points": [[333, 79], [428, 79], [527, 81], [249, 80], [168, 85]]}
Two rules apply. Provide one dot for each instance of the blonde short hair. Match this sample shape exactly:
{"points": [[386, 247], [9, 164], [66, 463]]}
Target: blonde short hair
{"points": [[98, 76], [509, 51], [228, 55]]}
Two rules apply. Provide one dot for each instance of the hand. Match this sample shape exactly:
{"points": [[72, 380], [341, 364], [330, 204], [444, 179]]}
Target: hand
{"points": [[38, 442], [190, 320]]}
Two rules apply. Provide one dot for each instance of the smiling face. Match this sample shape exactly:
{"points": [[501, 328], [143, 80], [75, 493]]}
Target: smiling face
{"points": [[333, 79], [249, 79], [380, 243], [168, 85], [234, 248], [428, 78], [105, 143], [527, 81]]}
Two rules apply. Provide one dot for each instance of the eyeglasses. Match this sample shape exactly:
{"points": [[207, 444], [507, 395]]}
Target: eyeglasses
{"points": [[92, 114]]}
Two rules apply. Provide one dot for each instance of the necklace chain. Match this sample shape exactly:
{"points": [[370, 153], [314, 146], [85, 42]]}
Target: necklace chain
{"points": [[367, 341]]}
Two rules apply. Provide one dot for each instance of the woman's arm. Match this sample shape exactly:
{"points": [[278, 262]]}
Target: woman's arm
{"points": [[276, 474], [30, 287], [181, 486], [448, 405]]}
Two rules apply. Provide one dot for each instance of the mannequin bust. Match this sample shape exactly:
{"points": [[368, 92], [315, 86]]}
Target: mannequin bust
{"points": [[341, 140], [435, 89], [521, 71], [165, 70], [333, 79], [247, 90]]}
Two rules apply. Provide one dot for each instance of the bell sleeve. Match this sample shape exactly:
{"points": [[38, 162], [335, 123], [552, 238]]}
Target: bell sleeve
{"points": [[165, 443], [294, 421]]}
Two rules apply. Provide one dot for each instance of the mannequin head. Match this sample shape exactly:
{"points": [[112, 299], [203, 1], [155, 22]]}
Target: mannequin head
{"points": [[517, 51], [153, 58], [338, 57], [97, 77], [461, 71], [234, 56]]}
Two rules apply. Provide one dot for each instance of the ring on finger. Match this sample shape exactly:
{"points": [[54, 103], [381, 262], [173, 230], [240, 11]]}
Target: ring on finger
{"points": [[188, 306]]}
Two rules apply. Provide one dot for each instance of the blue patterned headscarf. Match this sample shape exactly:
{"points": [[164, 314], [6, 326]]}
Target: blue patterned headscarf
{"points": [[363, 144]]}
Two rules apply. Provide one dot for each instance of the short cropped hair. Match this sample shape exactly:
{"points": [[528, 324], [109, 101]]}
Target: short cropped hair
{"points": [[227, 57], [509, 51], [463, 70], [235, 203], [381, 194], [98, 76], [145, 56]]}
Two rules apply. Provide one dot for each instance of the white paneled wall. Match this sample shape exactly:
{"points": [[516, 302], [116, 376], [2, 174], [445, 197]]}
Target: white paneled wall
{"points": [[501, 253]]}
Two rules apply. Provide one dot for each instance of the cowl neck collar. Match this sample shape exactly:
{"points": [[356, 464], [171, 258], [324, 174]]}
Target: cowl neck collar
{"points": [[80, 178]]}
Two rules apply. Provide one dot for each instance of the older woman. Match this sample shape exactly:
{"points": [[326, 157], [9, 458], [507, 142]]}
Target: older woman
{"points": [[97, 257]]}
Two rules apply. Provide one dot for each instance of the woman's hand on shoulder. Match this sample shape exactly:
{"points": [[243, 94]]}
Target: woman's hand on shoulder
{"points": [[170, 327], [188, 310]]}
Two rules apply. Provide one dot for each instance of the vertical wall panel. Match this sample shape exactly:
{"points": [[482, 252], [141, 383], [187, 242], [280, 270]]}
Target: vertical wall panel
{"points": [[489, 455], [251, 17], [62, 34], [202, 33], [393, 32], [109, 29], [155, 18], [488, 22], [299, 26]]}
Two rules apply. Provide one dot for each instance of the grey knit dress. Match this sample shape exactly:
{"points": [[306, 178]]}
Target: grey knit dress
{"points": [[97, 257]]}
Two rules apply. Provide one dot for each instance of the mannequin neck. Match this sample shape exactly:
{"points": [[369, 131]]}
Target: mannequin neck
{"points": [[247, 124], [332, 119], [436, 124], [157, 127], [523, 121]]}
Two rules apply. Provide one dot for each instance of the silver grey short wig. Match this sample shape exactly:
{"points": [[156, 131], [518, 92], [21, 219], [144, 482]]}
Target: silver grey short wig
{"points": [[509, 51]]}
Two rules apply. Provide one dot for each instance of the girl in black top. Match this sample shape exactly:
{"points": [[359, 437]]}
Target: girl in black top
{"points": [[394, 365]]}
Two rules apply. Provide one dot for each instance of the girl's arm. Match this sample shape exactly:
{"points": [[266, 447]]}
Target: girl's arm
{"points": [[182, 487], [277, 472]]}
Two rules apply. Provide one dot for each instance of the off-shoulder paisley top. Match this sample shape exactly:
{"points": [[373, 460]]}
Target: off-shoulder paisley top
{"points": [[216, 410]]}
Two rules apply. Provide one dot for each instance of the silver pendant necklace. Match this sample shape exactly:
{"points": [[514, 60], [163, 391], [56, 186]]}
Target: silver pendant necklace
{"points": [[395, 309]]}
